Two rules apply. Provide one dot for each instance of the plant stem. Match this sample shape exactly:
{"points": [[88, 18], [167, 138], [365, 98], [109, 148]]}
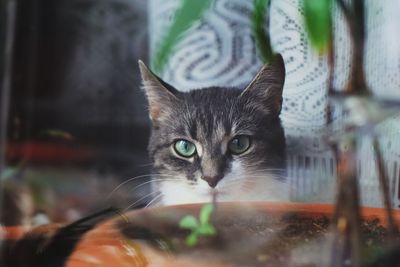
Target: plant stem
{"points": [[384, 184], [358, 83], [355, 18], [347, 242], [331, 64]]}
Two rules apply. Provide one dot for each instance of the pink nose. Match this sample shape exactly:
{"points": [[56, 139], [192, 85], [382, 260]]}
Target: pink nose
{"points": [[212, 180]]}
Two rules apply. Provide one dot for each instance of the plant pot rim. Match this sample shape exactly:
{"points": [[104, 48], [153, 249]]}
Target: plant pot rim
{"points": [[277, 208], [308, 209]]}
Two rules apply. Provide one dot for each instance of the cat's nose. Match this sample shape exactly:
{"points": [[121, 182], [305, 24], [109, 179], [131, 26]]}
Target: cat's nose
{"points": [[212, 180]]}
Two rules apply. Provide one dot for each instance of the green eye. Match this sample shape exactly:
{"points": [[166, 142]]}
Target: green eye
{"points": [[239, 144], [185, 148]]}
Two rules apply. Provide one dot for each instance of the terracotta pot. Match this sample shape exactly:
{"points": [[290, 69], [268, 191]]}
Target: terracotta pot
{"points": [[136, 238]]}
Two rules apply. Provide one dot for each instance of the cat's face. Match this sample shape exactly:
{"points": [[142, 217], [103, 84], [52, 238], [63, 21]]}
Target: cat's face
{"points": [[222, 140]]}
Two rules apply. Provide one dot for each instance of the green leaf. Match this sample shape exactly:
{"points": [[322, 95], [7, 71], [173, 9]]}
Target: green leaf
{"points": [[185, 16], [205, 213], [317, 15], [263, 42], [191, 240], [206, 229], [188, 222]]}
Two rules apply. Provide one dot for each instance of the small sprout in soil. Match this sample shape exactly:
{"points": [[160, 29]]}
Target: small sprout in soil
{"points": [[201, 227]]}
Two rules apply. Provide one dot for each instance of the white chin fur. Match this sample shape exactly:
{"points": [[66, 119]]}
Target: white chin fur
{"points": [[230, 188], [181, 192]]}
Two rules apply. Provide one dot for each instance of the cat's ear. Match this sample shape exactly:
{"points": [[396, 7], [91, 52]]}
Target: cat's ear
{"points": [[265, 90], [160, 95]]}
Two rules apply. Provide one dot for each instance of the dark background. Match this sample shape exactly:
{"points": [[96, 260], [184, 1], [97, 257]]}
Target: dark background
{"points": [[75, 70], [77, 123]]}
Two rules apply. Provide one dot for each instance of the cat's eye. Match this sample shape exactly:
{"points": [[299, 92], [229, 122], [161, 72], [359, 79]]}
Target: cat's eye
{"points": [[185, 148], [239, 144]]}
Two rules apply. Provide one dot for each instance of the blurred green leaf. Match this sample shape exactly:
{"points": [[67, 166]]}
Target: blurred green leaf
{"points": [[188, 222], [206, 229], [57, 134], [191, 240], [205, 213], [317, 16], [258, 20], [185, 16], [9, 172]]}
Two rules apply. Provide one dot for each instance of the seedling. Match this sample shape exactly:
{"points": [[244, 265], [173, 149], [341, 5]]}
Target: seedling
{"points": [[201, 227]]}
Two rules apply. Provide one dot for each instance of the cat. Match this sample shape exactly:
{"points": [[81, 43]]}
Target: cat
{"points": [[217, 140]]}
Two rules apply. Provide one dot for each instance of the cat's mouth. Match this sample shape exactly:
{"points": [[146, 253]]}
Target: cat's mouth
{"points": [[221, 189], [219, 192]]}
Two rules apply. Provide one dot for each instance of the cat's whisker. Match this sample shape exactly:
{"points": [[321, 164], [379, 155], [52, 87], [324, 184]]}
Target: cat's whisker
{"points": [[248, 181], [262, 168], [125, 182], [259, 168], [281, 178], [152, 181], [128, 192], [246, 177], [255, 176], [232, 182], [247, 187], [278, 180], [160, 194], [156, 198], [144, 176], [134, 179], [139, 200], [266, 176], [266, 171], [145, 165], [163, 175]]}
